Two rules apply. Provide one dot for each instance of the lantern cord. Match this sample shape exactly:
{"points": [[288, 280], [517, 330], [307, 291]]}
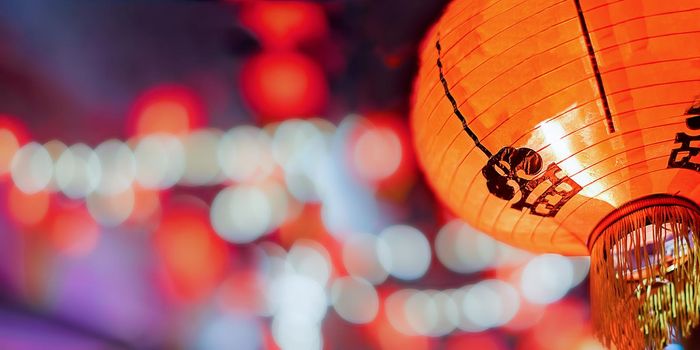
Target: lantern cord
{"points": [[596, 71], [457, 112], [645, 277]]}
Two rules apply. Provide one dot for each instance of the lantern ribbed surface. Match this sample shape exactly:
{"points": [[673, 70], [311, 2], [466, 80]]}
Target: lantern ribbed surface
{"points": [[534, 120], [573, 127]]}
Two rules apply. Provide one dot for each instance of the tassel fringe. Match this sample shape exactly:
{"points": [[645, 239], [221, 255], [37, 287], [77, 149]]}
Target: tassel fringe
{"points": [[645, 276]]}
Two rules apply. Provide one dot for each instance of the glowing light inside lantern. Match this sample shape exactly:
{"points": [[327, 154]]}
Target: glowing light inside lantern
{"points": [[554, 134]]}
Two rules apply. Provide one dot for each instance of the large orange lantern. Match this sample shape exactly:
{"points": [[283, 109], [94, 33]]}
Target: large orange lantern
{"points": [[573, 127]]}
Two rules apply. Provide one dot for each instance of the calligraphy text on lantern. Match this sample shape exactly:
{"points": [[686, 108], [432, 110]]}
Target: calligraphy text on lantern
{"points": [[514, 170]]}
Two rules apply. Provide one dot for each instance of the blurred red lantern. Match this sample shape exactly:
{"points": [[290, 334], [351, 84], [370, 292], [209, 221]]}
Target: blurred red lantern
{"points": [[281, 85], [166, 108], [574, 127], [284, 24], [194, 258]]}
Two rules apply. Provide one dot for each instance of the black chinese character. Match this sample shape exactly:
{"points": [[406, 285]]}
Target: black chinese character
{"points": [[510, 169], [681, 157], [514, 170], [557, 188]]}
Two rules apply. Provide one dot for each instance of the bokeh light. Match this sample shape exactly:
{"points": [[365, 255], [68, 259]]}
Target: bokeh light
{"points": [[284, 24], [405, 252], [31, 168], [361, 257], [395, 308], [296, 334], [27, 209], [303, 221], [490, 303], [9, 145], [528, 315], [581, 265], [160, 161], [78, 171], [118, 167], [282, 85], [13, 135], [299, 305], [547, 278], [241, 214], [111, 209], [377, 154], [310, 259], [463, 249], [55, 149], [244, 154], [73, 232], [381, 154], [421, 312], [167, 108], [193, 257], [562, 324], [389, 337], [201, 166], [448, 313], [147, 207], [275, 182], [355, 300], [301, 149]]}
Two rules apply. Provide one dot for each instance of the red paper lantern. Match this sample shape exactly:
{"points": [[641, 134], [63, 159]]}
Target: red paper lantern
{"points": [[574, 127]]}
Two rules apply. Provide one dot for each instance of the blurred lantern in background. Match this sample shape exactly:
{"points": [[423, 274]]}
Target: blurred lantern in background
{"points": [[281, 82], [277, 86], [574, 128], [193, 257], [166, 108], [284, 24]]}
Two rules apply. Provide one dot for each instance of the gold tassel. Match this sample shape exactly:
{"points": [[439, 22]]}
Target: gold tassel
{"points": [[645, 264]]}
